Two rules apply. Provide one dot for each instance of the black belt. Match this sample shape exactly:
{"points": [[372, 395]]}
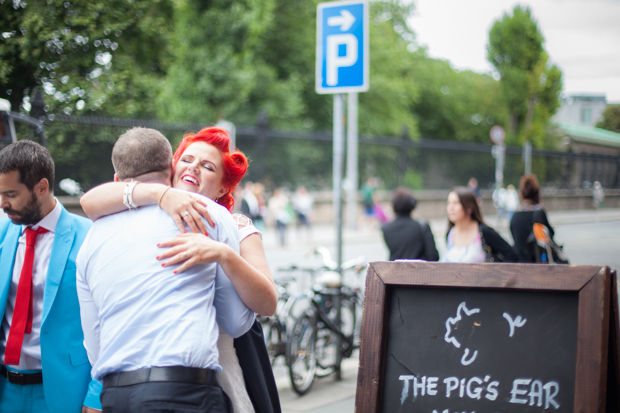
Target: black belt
{"points": [[179, 374], [21, 378]]}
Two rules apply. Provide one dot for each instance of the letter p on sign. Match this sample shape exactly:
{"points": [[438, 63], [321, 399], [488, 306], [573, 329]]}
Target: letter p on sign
{"points": [[334, 60], [342, 47]]}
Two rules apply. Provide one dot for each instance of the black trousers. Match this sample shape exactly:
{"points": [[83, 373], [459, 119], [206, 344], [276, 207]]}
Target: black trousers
{"points": [[257, 372], [165, 397]]}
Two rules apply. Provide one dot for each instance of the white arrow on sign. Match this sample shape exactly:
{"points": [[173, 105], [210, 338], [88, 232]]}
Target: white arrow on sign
{"points": [[345, 20]]}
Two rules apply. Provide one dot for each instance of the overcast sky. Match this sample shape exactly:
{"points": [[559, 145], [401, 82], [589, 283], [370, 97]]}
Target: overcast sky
{"points": [[582, 37]]}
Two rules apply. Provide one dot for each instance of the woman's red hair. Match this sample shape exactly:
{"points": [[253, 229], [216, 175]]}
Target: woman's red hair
{"points": [[235, 164]]}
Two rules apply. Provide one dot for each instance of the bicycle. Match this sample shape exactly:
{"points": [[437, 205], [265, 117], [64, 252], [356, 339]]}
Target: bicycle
{"points": [[328, 331], [276, 327]]}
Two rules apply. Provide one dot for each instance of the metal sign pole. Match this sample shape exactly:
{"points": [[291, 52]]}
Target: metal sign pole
{"points": [[527, 157], [352, 142], [338, 167]]}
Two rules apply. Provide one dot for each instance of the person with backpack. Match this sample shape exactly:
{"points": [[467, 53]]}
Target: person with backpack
{"points": [[528, 213]]}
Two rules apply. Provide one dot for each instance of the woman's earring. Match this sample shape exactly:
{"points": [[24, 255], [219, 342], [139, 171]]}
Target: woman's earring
{"points": [[217, 199]]}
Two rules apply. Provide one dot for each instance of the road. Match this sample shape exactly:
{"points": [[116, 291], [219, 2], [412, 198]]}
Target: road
{"points": [[589, 238]]}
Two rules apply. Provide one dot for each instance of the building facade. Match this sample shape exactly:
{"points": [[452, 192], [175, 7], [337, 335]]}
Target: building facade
{"points": [[581, 109]]}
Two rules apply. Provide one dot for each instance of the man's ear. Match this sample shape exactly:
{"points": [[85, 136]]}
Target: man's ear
{"points": [[116, 178], [172, 170], [42, 187]]}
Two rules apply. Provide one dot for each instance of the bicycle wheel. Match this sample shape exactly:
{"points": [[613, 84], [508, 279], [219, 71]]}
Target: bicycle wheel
{"points": [[274, 340], [301, 357], [326, 352]]}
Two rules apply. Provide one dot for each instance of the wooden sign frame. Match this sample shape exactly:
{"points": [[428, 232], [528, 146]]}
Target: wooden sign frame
{"points": [[613, 374], [592, 283]]}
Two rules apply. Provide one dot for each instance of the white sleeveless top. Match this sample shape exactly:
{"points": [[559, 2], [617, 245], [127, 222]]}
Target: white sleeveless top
{"points": [[231, 377], [471, 253]]}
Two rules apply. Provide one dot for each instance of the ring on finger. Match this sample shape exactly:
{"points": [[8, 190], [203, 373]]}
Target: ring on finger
{"points": [[186, 214]]}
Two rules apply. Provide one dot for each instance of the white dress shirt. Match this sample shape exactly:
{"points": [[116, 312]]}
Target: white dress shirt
{"points": [[137, 314], [31, 348]]}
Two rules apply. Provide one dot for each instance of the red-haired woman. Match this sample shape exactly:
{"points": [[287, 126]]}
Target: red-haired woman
{"points": [[205, 165], [469, 239]]}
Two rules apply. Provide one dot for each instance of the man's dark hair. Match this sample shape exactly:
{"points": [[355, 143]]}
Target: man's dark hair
{"points": [[141, 151], [31, 160], [403, 201]]}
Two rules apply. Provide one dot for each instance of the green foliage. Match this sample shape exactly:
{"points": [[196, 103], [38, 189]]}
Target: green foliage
{"points": [[530, 85], [386, 108], [455, 105], [214, 69], [611, 119], [103, 56]]}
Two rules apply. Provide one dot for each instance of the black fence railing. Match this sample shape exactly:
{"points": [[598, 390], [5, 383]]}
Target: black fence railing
{"points": [[82, 147]]}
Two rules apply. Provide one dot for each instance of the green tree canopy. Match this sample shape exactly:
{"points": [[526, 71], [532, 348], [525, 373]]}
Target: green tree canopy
{"points": [[85, 55], [455, 105], [530, 85], [611, 119]]}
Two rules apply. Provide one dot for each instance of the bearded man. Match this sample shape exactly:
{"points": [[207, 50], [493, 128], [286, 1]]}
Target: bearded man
{"points": [[43, 364]]}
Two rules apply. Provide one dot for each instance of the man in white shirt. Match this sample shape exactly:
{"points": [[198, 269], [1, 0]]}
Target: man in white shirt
{"points": [[151, 334], [44, 364]]}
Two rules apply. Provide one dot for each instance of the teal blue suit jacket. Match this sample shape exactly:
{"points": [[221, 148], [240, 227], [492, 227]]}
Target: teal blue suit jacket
{"points": [[67, 383]]}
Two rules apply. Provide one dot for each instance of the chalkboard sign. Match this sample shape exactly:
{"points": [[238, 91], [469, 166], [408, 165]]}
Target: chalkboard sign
{"points": [[445, 338]]}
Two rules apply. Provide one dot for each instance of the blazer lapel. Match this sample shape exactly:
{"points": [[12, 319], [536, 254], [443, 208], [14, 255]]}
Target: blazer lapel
{"points": [[7, 259], [63, 240]]}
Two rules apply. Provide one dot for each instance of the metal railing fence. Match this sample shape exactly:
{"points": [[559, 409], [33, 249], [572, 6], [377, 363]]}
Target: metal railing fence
{"points": [[82, 146]]}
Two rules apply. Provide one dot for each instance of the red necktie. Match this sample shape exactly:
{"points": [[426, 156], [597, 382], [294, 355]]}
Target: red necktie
{"points": [[22, 313]]}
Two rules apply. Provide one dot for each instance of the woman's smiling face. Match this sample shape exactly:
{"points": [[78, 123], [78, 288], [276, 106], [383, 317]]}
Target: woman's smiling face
{"points": [[200, 169]]}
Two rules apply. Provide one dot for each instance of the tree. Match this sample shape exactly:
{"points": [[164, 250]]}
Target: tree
{"points": [[215, 68], [103, 56], [455, 105], [530, 85], [611, 119]]}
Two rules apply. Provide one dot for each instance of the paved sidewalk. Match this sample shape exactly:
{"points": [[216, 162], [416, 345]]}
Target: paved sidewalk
{"points": [[328, 395]]}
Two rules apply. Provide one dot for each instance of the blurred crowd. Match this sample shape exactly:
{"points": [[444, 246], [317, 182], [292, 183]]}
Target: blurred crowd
{"points": [[282, 209], [469, 238]]}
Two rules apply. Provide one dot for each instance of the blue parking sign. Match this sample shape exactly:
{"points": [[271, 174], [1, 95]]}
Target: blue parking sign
{"points": [[342, 47]]}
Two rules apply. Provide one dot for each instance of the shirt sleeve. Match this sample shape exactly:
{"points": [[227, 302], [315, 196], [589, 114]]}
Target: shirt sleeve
{"points": [[233, 316], [245, 227], [88, 311]]}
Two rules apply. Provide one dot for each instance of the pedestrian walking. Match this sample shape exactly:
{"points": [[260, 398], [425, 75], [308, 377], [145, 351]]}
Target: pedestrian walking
{"points": [[469, 239], [511, 201], [280, 211], [302, 205], [598, 195], [405, 237], [529, 212]]}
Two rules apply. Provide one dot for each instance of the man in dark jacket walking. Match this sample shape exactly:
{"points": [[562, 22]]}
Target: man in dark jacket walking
{"points": [[406, 238]]}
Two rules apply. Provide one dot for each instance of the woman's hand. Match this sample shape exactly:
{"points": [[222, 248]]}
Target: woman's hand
{"points": [[183, 206], [192, 249]]}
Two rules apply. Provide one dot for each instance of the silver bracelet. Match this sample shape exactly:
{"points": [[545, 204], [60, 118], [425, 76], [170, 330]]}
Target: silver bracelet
{"points": [[128, 195]]}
